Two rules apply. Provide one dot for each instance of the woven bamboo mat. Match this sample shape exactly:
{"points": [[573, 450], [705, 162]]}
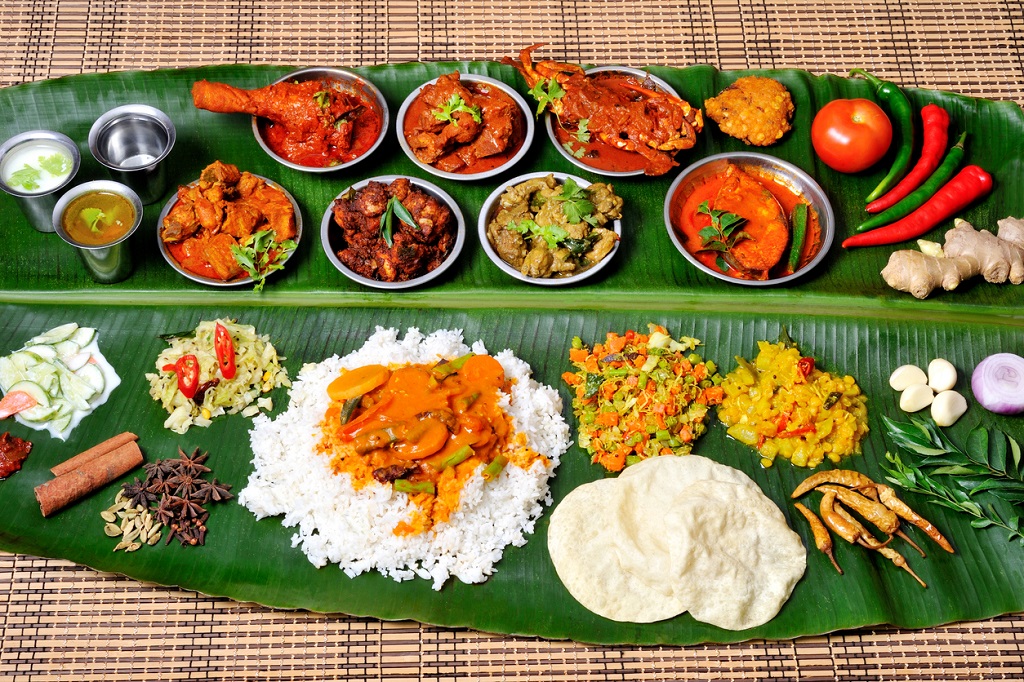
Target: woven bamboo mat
{"points": [[64, 622]]}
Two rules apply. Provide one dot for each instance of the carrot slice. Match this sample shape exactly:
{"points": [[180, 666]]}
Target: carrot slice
{"points": [[430, 440], [14, 402], [358, 381], [484, 369]]}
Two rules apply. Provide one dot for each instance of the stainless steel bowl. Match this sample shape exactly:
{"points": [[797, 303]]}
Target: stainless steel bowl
{"points": [[347, 79], [132, 141], [785, 174], [38, 206], [330, 235], [471, 78], [490, 207], [550, 121], [212, 281], [106, 263]]}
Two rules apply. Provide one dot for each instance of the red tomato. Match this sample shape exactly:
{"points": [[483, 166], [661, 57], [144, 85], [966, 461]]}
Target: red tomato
{"points": [[851, 135]]}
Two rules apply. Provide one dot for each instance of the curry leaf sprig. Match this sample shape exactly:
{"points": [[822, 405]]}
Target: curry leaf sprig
{"points": [[456, 104], [989, 461], [913, 479], [546, 91], [395, 208], [261, 254], [723, 233]]}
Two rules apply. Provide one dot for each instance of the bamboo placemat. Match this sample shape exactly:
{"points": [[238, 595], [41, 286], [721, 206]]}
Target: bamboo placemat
{"points": [[64, 622]]}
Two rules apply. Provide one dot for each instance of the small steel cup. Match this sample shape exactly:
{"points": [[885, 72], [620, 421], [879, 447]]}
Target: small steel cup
{"points": [[107, 263], [133, 141], [38, 206]]}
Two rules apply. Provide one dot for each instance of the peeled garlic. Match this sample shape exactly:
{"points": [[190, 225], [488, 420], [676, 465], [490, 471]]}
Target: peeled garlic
{"points": [[947, 407], [916, 397], [941, 375], [907, 375]]}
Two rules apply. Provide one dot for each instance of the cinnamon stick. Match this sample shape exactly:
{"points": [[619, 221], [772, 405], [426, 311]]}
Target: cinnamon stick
{"points": [[93, 452], [58, 493]]}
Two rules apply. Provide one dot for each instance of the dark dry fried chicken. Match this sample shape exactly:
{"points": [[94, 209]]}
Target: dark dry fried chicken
{"points": [[754, 109]]}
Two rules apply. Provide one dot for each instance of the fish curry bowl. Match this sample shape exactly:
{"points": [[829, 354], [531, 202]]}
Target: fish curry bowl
{"points": [[316, 120], [750, 219]]}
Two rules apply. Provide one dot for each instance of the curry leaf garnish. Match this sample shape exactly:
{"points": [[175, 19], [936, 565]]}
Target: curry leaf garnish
{"points": [[576, 204], [546, 91], [551, 234], [722, 234], [583, 130], [915, 480], [261, 254], [395, 208], [989, 462], [456, 104]]}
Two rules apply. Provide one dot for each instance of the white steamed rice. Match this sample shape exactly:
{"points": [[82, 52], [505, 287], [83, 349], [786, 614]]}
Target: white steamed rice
{"points": [[337, 524]]}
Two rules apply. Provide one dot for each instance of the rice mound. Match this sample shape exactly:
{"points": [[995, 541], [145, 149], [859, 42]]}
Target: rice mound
{"points": [[337, 524]]}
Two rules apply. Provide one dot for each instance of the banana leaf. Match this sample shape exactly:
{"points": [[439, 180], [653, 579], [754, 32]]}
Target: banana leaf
{"points": [[842, 314]]}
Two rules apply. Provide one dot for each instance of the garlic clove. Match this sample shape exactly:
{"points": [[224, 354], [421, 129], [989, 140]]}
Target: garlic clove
{"points": [[948, 407], [907, 375], [941, 375], [916, 397]]}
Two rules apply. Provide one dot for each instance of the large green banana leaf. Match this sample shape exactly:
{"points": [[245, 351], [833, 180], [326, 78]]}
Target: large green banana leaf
{"points": [[842, 314]]}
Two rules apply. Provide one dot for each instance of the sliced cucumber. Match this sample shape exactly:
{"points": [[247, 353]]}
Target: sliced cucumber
{"points": [[77, 391], [60, 423], [83, 336], [44, 374], [77, 361], [45, 353], [39, 413], [34, 390], [9, 374], [56, 334], [22, 360], [64, 349], [92, 375]]}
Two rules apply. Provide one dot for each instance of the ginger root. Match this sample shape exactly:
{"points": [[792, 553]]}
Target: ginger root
{"points": [[966, 253]]}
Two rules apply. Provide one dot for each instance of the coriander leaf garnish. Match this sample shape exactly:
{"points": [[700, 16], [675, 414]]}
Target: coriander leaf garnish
{"points": [[55, 164], [576, 204], [261, 254], [723, 233], [27, 177], [546, 91], [551, 234], [576, 153], [92, 218], [583, 131], [454, 105], [395, 208]]}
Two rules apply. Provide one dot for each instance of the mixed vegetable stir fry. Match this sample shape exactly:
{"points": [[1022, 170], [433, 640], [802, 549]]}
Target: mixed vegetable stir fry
{"points": [[640, 396]]}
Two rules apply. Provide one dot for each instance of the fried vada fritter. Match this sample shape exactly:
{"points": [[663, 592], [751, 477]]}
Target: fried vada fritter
{"points": [[754, 109]]}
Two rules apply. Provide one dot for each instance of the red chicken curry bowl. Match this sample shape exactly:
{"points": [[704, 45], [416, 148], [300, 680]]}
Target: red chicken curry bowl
{"points": [[465, 126], [364, 123], [179, 256], [585, 150], [735, 216], [381, 251]]}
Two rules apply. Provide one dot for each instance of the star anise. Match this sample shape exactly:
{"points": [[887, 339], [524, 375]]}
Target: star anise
{"points": [[167, 511], [192, 464], [138, 494], [160, 469], [212, 491], [184, 484]]}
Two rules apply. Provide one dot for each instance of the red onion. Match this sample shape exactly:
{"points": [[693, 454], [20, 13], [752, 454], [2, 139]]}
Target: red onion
{"points": [[998, 383]]}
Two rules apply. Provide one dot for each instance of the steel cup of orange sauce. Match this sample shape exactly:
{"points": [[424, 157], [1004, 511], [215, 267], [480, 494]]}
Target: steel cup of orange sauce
{"points": [[97, 218]]}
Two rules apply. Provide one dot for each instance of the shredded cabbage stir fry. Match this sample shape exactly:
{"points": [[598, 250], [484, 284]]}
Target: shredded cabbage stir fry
{"points": [[254, 369], [640, 396]]}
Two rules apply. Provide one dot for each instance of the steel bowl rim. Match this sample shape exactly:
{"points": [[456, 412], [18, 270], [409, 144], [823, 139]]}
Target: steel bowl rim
{"points": [[826, 215], [473, 78], [41, 134], [93, 186], [210, 281], [549, 120], [460, 234], [126, 109], [488, 207], [339, 74]]}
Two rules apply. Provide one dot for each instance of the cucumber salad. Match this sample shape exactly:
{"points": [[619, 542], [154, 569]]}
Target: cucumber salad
{"points": [[64, 373]]}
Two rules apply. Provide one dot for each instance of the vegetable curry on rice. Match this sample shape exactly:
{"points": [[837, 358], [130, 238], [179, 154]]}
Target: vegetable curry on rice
{"points": [[423, 429]]}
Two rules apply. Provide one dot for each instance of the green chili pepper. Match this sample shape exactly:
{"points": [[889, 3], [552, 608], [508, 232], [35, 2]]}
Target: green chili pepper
{"points": [[923, 193], [799, 221], [903, 115]]}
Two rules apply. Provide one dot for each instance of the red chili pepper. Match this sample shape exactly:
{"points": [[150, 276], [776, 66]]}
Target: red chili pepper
{"points": [[806, 366], [187, 369], [935, 122], [225, 348], [969, 184], [170, 367], [798, 432]]}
